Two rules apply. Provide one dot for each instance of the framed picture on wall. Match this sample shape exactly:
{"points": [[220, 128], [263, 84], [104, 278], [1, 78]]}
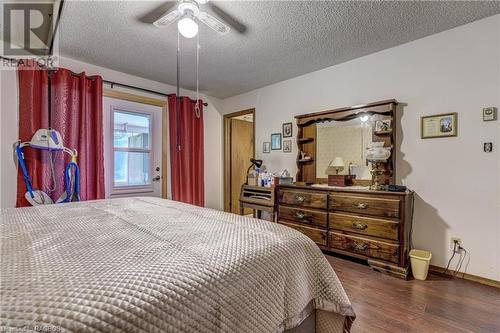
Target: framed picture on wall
{"points": [[287, 130], [287, 146], [383, 125], [276, 141], [266, 147], [439, 126]]}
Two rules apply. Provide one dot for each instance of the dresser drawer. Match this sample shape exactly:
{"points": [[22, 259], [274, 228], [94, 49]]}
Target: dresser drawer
{"points": [[368, 247], [304, 199], [304, 216], [384, 207], [365, 225], [317, 235]]}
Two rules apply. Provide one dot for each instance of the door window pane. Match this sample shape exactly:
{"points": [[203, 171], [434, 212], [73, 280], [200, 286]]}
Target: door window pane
{"points": [[132, 168], [131, 130]]}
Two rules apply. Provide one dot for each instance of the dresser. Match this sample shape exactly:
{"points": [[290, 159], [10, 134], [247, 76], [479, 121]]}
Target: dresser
{"points": [[365, 224]]}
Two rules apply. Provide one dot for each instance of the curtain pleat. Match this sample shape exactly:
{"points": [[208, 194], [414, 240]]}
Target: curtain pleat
{"points": [[186, 151]]}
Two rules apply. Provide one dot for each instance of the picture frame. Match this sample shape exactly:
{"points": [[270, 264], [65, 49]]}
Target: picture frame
{"points": [[383, 125], [287, 130], [287, 146], [439, 125], [276, 141], [266, 147]]}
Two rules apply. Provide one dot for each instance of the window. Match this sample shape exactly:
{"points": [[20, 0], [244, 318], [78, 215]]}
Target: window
{"points": [[132, 133]]}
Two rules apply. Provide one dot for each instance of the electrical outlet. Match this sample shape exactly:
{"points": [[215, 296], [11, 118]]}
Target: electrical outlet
{"points": [[458, 241]]}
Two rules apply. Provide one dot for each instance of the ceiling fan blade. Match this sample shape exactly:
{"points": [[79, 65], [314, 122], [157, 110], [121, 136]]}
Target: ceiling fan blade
{"points": [[154, 14], [214, 23], [167, 19], [228, 18]]}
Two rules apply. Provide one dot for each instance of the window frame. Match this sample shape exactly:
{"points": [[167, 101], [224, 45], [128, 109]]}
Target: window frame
{"points": [[131, 189]]}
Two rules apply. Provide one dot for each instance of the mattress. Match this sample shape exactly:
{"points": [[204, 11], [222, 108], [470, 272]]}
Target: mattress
{"points": [[155, 265]]}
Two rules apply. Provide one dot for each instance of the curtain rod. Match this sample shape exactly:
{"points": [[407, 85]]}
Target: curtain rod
{"points": [[111, 83]]}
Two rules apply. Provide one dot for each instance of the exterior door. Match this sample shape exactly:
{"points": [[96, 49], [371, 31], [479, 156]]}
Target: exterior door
{"points": [[133, 148], [242, 143]]}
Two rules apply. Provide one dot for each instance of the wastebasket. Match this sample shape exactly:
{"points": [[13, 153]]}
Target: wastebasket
{"points": [[420, 263]]}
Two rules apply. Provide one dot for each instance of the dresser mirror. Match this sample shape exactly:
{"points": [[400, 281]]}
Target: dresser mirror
{"points": [[344, 141], [338, 140]]}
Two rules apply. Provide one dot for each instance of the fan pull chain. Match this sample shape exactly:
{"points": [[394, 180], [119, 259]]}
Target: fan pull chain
{"points": [[197, 103], [177, 98]]}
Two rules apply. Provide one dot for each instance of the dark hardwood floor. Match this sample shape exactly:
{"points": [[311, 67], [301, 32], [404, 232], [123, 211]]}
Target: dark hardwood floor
{"points": [[386, 304]]}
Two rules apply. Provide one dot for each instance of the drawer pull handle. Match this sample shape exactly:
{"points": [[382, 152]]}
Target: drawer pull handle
{"points": [[302, 216], [359, 226], [300, 198], [361, 205], [359, 246]]}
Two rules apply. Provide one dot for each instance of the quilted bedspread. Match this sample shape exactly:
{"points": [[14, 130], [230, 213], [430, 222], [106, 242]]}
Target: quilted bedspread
{"points": [[154, 265]]}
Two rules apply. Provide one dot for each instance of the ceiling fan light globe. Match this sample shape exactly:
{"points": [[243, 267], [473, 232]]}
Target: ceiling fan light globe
{"points": [[187, 27]]}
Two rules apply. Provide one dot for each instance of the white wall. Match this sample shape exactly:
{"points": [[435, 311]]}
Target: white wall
{"points": [[9, 128], [456, 183]]}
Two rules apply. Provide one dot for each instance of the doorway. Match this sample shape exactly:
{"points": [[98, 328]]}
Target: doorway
{"points": [[135, 145], [239, 148]]}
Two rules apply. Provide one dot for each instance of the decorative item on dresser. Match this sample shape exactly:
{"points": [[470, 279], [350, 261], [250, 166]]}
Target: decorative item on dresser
{"points": [[366, 224], [339, 211]]}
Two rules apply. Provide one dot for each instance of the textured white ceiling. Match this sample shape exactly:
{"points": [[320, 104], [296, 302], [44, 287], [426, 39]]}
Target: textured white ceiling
{"points": [[283, 39]]}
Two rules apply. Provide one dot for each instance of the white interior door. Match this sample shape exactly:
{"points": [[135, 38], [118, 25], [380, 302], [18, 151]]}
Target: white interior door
{"points": [[133, 148]]}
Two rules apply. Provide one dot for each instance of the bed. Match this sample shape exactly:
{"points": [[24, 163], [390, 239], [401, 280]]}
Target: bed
{"points": [[154, 265]]}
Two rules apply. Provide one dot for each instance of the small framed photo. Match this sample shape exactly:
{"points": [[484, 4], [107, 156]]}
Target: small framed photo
{"points": [[383, 125], [287, 146], [439, 126], [490, 114], [287, 130], [276, 141], [266, 147]]}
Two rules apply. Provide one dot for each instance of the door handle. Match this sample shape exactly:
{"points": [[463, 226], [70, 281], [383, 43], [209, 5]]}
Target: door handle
{"points": [[157, 178]]}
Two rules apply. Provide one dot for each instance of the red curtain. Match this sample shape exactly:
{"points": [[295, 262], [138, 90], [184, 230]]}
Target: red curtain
{"points": [[77, 115], [186, 151]]}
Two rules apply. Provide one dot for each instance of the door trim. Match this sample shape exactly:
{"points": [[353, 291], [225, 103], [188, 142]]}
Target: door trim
{"points": [[164, 133], [227, 152]]}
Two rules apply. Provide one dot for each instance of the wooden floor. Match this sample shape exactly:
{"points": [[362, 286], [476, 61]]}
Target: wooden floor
{"points": [[386, 304]]}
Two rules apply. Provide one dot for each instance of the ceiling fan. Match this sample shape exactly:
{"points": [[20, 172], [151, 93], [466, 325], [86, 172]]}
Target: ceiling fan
{"points": [[188, 12]]}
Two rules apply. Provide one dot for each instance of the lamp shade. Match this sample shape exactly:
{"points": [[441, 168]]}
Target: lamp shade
{"points": [[337, 162], [257, 163], [335, 166]]}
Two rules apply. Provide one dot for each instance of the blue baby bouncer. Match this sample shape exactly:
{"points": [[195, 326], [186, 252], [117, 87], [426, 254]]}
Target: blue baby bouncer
{"points": [[50, 140]]}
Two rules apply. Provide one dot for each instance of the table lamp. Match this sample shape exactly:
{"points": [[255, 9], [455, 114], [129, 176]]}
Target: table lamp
{"points": [[378, 155], [333, 169], [257, 163]]}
